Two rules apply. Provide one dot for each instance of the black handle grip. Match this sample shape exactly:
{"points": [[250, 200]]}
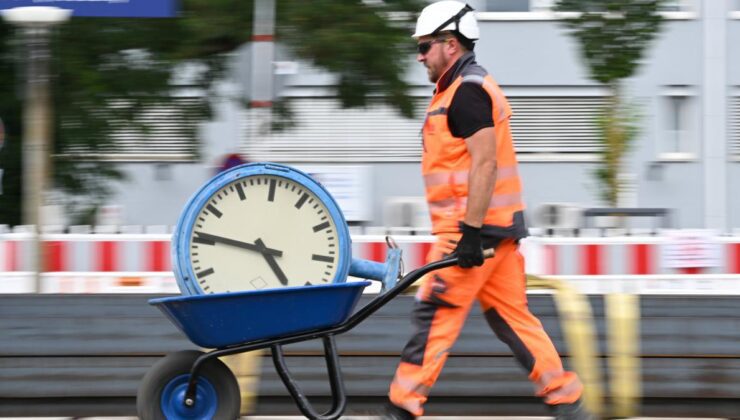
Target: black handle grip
{"points": [[402, 285]]}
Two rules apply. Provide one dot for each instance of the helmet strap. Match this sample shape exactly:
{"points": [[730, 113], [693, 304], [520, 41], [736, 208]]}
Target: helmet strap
{"points": [[455, 19]]}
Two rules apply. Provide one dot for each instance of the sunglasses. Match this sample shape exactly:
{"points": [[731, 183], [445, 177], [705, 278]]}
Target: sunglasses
{"points": [[424, 47]]}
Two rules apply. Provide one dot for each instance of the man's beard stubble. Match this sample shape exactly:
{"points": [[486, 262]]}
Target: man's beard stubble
{"points": [[434, 75]]}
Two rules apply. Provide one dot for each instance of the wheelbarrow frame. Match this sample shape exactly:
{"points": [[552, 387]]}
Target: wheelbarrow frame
{"points": [[331, 356]]}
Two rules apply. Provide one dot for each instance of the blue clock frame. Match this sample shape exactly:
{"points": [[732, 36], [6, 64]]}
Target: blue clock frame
{"points": [[183, 269]]}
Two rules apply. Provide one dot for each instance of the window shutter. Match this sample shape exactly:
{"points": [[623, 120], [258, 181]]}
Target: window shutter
{"points": [[734, 129], [556, 124], [168, 133], [324, 132]]}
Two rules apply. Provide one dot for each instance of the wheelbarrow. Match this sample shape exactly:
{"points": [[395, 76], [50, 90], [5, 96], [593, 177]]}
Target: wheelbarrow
{"points": [[196, 385]]}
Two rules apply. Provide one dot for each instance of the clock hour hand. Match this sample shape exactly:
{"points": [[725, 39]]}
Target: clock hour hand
{"points": [[245, 245], [272, 263]]}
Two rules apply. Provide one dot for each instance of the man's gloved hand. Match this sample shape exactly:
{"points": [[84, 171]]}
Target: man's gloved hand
{"points": [[469, 251]]}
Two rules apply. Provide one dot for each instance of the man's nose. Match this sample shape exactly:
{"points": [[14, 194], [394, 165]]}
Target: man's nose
{"points": [[420, 57]]}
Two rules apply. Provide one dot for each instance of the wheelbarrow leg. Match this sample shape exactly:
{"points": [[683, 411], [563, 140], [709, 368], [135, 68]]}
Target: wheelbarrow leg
{"points": [[190, 393], [189, 400], [339, 397]]}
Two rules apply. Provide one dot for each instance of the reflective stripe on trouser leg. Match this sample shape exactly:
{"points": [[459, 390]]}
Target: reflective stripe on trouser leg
{"points": [[443, 302], [504, 301], [425, 354]]}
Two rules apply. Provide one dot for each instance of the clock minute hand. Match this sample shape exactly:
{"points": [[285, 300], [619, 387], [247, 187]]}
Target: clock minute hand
{"points": [[245, 245], [272, 263]]}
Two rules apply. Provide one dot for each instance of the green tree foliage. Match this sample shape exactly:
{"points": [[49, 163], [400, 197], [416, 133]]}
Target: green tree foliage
{"points": [[108, 70], [10, 112], [613, 36], [364, 43]]}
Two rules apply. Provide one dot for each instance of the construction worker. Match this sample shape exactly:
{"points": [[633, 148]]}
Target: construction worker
{"points": [[474, 196]]}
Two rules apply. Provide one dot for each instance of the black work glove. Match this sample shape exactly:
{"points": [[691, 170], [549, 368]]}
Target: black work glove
{"points": [[469, 251]]}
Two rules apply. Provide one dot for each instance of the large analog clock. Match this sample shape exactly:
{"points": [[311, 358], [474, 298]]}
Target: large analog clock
{"points": [[260, 226]]}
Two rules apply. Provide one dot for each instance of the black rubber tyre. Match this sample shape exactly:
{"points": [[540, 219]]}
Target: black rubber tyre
{"points": [[217, 380]]}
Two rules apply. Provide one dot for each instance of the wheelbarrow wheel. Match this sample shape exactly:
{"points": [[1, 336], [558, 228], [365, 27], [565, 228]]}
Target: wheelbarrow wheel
{"points": [[162, 391]]}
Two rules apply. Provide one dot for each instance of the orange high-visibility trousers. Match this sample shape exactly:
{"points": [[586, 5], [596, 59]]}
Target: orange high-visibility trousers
{"points": [[442, 305]]}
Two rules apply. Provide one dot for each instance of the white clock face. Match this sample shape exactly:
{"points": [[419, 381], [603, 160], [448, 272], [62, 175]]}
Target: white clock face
{"points": [[263, 231]]}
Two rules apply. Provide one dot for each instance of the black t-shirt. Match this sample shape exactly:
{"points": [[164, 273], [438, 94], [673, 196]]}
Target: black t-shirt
{"points": [[471, 110]]}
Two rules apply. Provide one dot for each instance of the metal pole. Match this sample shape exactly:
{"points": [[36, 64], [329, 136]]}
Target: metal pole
{"points": [[263, 51], [37, 132], [35, 23], [714, 112]]}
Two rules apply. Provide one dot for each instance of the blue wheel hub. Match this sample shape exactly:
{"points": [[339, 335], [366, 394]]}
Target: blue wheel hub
{"points": [[173, 399]]}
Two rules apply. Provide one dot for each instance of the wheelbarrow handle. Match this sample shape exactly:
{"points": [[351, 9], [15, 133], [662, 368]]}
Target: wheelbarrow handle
{"points": [[402, 285], [339, 397]]}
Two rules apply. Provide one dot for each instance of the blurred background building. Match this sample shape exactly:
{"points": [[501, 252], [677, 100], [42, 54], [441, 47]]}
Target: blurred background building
{"points": [[664, 306], [687, 92]]}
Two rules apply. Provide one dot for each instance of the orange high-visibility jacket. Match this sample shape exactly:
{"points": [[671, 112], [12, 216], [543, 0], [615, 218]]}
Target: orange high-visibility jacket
{"points": [[446, 161]]}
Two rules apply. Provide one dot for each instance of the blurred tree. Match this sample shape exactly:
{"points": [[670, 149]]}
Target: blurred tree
{"points": [[364, 42], [613, 35], [10, 112], [108, 70]]}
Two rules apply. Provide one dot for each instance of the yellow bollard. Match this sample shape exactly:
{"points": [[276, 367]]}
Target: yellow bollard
{"points": [[623, 315], [576, 320], [246, 368]]}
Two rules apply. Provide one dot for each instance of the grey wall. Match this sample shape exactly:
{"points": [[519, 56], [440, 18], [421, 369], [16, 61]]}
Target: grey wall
{"points": [[541, 53], [519, 54], [535, 53], [733, 52], [558, 183], [733, 198], [673, 62], [155, 194], [733, 76]]}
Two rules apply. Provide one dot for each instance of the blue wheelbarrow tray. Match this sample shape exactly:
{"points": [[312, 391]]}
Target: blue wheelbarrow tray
{"points": [[227, 319]]}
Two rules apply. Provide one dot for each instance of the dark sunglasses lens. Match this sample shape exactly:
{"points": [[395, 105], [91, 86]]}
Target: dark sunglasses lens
{"points": [[424, 47]]}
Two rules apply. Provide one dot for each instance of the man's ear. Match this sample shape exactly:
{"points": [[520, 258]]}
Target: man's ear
{"points": [[454, 45]]}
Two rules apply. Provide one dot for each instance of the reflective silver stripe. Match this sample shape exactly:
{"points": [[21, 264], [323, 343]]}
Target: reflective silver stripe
{"points": [[438, 111], [506, 172], [474, 78], [411, 406], [497, 96], [501, 200], [445, 178], [412, 386], [461, 177], [442, 205], [500, 102], [437, 178], [505, 200]]}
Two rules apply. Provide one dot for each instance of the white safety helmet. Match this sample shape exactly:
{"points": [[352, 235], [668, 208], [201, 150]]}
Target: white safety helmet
{"points": [[447, 15]]}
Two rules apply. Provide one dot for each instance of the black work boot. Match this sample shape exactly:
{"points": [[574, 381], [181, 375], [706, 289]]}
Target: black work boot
{"points": [[572, 411], [393, 412]]}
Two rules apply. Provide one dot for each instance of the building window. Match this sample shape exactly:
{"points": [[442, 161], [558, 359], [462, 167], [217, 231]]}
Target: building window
{"points": [[677, 138]]}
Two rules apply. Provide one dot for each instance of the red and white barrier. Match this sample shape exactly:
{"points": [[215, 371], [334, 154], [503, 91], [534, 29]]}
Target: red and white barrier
{"points": [[631, 255], [79, 282], [119, 259], [88, 252]]}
